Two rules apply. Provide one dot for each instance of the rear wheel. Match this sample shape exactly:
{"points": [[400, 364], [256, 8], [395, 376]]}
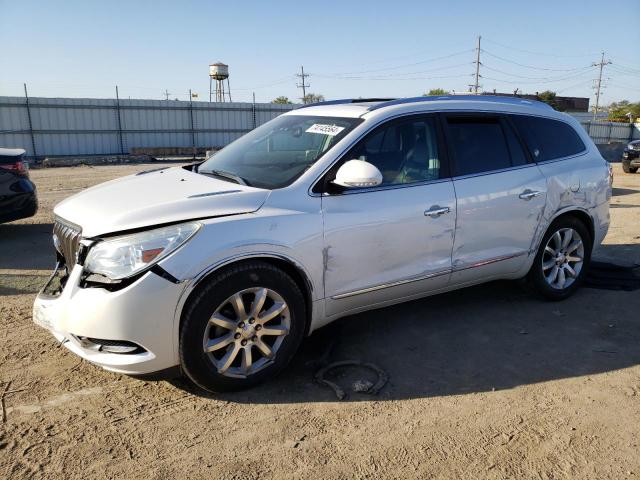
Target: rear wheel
{"points": [[562, 259], [242, 327]]}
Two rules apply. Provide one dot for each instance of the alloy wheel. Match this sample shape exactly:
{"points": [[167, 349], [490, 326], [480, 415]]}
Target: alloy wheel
{"points": [[563, 258], [246, 331]]}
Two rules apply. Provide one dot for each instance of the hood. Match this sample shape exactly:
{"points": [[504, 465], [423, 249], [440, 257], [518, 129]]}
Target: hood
{"points": [[156, 197]]}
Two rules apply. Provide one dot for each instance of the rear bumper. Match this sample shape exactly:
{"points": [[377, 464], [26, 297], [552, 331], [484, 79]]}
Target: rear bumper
{"points": [[141, 313], [24, 205]]}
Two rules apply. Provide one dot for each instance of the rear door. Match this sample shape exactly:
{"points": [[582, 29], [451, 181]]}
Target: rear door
{"points": [[500, 196]]}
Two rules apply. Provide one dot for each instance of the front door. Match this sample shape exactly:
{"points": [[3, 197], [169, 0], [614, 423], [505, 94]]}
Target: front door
{"points": [[391, 242]]}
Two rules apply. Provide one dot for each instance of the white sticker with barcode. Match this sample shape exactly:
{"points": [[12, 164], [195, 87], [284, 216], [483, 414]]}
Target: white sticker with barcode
{"points": [[324, 129]]}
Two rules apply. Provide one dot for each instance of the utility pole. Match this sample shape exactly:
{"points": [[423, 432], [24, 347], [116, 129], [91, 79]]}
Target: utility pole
{"points": [[303, 83], [166, 94], [598, 85], [33, 137], [476, 84], [119, 122]]}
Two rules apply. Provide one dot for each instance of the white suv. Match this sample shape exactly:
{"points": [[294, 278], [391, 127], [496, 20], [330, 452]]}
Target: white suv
{"points": [[222, 268]]}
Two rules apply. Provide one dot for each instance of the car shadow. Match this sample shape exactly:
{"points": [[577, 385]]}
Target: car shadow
{"points": [[617, 192], [490, 337], [623, 205], [21, 284], [26, 246]]}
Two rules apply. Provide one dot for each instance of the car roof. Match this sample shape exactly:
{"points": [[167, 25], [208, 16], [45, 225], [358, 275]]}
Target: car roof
{"points": [[365, 107], [11, 152]]}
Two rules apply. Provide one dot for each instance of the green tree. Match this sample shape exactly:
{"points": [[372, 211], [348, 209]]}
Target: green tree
{"points": [[618, 111], [313, 98], [549, 98], [282, 100], [435, 92]]}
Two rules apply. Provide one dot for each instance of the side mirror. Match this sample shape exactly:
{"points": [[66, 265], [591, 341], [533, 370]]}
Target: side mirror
{"points": [[358, 173]]}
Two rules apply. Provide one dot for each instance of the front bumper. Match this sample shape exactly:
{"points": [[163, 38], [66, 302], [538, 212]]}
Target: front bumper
{"points": [[631, 156], [142, 313]]}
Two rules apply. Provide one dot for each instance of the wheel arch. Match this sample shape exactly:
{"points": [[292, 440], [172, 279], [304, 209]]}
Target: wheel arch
{"points": [[286, 264], [579, 214]]}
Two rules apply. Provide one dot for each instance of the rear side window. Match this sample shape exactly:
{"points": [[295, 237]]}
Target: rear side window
{"points": [[548, 139], [9, 160], [478, 144]]}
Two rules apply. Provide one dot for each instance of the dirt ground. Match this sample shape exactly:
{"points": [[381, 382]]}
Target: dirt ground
{"points": [[487, 382]]}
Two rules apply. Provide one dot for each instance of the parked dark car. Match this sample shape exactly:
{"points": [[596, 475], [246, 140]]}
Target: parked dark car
{"points": [[18, 198], [631, 157]]}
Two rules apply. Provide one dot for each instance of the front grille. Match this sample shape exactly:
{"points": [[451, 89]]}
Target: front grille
{"points": [[66, 237]]}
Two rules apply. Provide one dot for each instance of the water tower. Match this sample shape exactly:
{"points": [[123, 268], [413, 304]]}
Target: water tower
{"points": [[219, 72]]}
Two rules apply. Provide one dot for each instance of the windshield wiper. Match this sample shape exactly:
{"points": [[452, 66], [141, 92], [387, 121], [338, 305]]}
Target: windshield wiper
{"points": [[226, 176]]}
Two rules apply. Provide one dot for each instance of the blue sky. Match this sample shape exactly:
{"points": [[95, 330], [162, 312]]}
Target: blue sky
{"points": [[350, 48]]}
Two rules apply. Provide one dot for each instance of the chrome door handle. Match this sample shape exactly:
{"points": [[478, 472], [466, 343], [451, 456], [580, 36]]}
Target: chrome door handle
{"points": [[436, 211], [529, 194]]}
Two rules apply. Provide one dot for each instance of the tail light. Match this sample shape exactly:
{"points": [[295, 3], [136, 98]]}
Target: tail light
{"points": [[18, 167], [610, 173]]}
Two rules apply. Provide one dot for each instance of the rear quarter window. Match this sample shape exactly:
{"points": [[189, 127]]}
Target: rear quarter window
{"points": [[548, 139]]}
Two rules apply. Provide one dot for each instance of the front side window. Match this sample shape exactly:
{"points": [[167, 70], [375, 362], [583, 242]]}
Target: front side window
{"points": [[404, 151], [278, 152], [548, 139], [478, 144]]}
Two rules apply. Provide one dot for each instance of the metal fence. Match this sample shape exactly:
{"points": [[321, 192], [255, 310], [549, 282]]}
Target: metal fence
{"points": [[611, 132], [84, 126]]}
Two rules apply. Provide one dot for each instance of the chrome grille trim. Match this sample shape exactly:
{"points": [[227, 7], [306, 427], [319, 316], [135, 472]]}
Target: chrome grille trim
{"points": [[68, 235]]}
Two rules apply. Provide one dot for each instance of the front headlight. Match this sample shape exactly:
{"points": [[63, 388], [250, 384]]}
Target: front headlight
{"points": [[121, 257]]}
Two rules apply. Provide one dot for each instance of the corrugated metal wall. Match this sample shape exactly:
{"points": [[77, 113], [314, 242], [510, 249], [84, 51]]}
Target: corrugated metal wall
{"points": [[69, 126], [85, 126], [606, 132]]}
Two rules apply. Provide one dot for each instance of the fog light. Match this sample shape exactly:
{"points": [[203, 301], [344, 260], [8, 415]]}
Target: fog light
{"points": [[110, 346]]}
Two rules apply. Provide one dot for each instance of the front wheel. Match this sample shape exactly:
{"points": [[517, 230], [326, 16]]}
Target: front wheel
{"points": [[562, 259], [242, 327], [627, 168]]}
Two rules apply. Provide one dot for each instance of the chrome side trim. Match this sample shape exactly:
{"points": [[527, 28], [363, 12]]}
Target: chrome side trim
{"points": [[355, 191], [392, 284], [431, 275], [490, 261]]}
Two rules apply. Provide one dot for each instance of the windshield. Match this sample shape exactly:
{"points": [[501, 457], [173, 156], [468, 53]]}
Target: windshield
{"points": [[276, 153]]}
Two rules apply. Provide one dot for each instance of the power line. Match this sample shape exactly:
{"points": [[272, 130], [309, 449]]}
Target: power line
{"points": [[600, 64], [537, 53], [392, 75], [402, 57], [531, 66], [394, 79], [396, 67], [303, 83], [552, 78]]}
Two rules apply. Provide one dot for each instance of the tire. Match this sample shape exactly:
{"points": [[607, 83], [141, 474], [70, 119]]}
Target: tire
{"points": [[564, 284], [212, 321], [627, 168]]}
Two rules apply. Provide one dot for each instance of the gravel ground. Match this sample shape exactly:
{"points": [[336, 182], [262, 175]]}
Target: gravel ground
{"points": [[486, 382]]}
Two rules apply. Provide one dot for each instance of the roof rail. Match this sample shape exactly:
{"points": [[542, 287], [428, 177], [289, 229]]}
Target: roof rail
{"points": [[346, 100], [481, 98]]}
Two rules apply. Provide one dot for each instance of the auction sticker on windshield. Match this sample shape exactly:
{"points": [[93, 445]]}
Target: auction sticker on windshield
{"points": [[324, 129]]}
